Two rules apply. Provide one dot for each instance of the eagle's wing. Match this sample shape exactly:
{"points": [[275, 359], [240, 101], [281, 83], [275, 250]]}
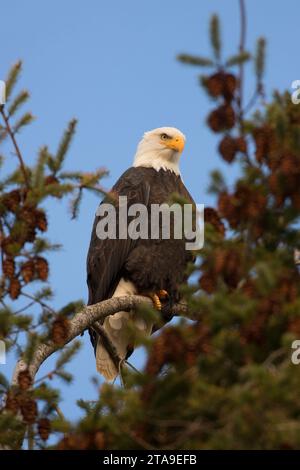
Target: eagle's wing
{"points": [[106, 257]]}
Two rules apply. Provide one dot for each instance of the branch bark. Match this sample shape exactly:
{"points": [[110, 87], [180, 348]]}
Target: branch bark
{"points": [[83, 320]]}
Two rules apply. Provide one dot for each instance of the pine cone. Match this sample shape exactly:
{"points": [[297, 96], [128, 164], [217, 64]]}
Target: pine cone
{"points": [[214, 84], [60, 330], [12, 200], [229, 86], [28, 215], [41, 267], [208, 282], [232, 271], [228, 207], [28, 410], [44, 428], [221, 83], [8, 267], [227, 148], [157, 356], [41, 220], [14, 288], [212, 217], [24, 379], [222, 118], [266, 145], [241, 144], [27, 271], [12, 403], [220, 256]]}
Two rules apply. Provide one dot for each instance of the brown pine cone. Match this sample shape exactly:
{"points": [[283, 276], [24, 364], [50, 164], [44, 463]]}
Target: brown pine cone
{"points": [[41, 267], [12, 200], [241, 144], [28, 215], [24, 379], [60, 330], [44, 428], [8, 266], [221, 83], [222, 118], [12, 403], [232, 272], [14, 288], [228, 207], [28, 271], [229, 86], [214, 84], [29, 410], [227, 148], [220, 256], [41, 220], [266, 145], [208, 282], [212, 217]]}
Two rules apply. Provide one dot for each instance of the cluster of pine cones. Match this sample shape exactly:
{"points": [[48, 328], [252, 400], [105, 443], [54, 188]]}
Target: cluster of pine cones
{"points": [[174, 347], [221, 85], [23, 221], [21, 401]]}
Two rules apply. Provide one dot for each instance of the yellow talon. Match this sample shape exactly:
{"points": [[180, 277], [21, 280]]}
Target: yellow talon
{"points": [[156, 301]]}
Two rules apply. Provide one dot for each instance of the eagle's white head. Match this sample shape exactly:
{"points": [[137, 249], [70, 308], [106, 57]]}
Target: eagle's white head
{"points": [[160, 149]]}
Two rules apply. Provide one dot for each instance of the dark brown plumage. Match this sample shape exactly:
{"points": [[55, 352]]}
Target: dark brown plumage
{"points": [[150, 264]]}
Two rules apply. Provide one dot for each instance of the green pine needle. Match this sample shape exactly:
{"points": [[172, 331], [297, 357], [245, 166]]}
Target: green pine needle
{"points": [[215, 36], [260, 58], [12, 78], [20, 99], [195, 60]]}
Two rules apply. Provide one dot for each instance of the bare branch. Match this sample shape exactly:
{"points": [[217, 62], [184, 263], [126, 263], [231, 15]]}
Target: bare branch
{"points": [[84, 320]]}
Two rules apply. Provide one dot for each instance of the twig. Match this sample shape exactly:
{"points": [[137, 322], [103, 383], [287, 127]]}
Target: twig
{"points": [[38, 301], [15, 144], [241, 66]]}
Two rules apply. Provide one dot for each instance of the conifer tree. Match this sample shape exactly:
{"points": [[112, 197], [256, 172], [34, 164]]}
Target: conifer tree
{"points": [[221, 377]]}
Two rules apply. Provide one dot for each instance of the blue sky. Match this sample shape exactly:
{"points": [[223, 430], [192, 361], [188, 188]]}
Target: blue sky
{"points": [[112, 65]]}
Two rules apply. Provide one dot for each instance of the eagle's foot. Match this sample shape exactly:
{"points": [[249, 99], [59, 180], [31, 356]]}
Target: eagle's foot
{"points": [[156, 301], [158, 297]]}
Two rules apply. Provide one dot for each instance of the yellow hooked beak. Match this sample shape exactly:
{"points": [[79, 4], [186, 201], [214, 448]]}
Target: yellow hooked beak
{"points": [[175, 143]]}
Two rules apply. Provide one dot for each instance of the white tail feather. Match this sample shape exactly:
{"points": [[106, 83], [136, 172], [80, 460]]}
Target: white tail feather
{"points": [[116, 329]]}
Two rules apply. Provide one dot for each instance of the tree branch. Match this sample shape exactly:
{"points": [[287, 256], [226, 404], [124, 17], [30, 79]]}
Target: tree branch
{"points": [[241, 50], [84, 320]]}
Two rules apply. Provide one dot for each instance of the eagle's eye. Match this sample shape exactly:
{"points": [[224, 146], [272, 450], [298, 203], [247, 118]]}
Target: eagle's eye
{"points": [[165, 136]]}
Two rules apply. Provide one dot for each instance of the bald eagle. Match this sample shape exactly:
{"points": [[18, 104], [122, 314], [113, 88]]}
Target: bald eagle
{"points": [[153, 267]]}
